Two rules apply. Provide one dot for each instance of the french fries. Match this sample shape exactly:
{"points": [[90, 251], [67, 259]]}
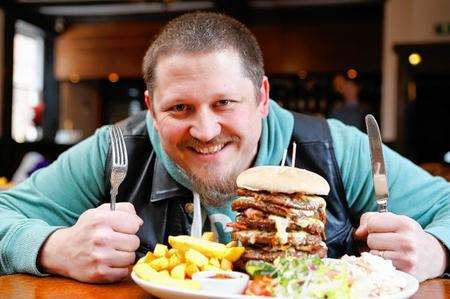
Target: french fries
{"points": [[146, 272], [208, 248], [160, 250], [209, 236], [195, 257], [159, 264], [188, 255], [234, 253]]}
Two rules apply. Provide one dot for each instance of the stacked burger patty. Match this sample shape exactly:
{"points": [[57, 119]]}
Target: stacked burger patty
{"points": [[279, 213]]}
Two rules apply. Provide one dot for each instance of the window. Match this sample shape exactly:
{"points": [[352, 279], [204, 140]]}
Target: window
{"points": [[28, 81]]}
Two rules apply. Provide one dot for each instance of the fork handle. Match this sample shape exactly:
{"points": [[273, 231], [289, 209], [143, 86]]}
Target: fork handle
{"points": [[114, 192]]}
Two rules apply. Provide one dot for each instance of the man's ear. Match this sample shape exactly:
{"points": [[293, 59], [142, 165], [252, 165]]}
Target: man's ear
{"points": [[149, 103], [263, 105]]}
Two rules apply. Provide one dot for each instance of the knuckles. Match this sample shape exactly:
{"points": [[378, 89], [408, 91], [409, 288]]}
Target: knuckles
{"points": [[405, 222], [409, 262], [100, 274], [100, 239], [98, 259], [92, 218], [407, 243], [97, 220]]}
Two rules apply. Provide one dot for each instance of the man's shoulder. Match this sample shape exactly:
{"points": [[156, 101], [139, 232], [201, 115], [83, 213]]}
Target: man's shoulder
{"points": [[340, 131], [310, 128], [134, 124]]}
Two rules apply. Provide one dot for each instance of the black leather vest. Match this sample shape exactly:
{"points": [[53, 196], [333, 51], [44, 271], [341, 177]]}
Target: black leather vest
{"points": [[161, 202]]}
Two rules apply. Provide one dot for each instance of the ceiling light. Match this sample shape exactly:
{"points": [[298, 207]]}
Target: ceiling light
{"points": [[113, 77], [352, 74], [414, 59]]}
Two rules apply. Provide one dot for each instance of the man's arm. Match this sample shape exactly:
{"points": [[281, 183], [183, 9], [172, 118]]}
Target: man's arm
{"points": [[424, 199], [51, 198]]}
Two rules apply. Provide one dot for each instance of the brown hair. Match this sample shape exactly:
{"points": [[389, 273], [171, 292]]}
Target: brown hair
{"points": [[201, 32]]}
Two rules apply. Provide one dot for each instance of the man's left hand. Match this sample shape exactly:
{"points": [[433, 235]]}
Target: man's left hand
{"points": [[402, 240]]}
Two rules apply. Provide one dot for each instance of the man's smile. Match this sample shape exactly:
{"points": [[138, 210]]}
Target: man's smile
{"points": [[207, 150]]}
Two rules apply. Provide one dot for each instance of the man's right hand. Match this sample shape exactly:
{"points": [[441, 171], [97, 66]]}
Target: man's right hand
{"points": [[98, 248]]}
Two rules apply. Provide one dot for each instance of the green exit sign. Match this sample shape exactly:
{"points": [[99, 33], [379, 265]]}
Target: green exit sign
{"points": [[442, 28]]}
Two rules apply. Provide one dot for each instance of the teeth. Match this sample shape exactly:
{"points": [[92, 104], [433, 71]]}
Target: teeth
{"points": [[210, 149]]}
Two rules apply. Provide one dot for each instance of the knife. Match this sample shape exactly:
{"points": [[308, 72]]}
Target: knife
{"points": [[380, 184], [196, 228]]}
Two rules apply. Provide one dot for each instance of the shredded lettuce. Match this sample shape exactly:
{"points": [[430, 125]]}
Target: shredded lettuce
{"points": [[308, 277], [259, 268]]}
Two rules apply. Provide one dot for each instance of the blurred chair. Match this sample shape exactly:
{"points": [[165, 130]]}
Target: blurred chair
{"points": [[31, 162]]}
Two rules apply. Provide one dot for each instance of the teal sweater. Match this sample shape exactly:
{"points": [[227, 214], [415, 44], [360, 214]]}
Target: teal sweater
{"points": [[55, 196]]}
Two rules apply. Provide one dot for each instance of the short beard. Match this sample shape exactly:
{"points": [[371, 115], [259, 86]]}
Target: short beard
{"points": [[214, 191]]}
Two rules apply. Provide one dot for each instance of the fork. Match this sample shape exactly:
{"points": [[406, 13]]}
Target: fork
{"points": [[119, 162]]}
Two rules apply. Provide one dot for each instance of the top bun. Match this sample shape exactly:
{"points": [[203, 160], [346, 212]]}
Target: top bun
{"points": [[283, 179]]}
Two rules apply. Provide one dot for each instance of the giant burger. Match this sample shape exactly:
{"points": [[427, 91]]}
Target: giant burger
{"points": [[280, 212]]}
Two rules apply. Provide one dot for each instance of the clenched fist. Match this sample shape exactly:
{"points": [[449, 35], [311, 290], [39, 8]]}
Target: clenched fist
{"points": [[402, 240], [98, 248]]}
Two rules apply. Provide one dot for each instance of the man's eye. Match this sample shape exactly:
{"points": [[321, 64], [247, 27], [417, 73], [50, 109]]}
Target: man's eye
{"points": [[180, 108], [222, 103]]}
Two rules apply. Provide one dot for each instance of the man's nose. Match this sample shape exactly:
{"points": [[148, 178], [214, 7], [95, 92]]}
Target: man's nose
{"points": [[205, 127]]}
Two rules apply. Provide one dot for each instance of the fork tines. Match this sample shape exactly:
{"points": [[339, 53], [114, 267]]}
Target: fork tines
{"points": [[119, 162], [119, 156]]}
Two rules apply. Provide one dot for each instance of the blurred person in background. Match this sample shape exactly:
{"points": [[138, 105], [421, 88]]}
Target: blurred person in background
{"points": [[348, 109]]}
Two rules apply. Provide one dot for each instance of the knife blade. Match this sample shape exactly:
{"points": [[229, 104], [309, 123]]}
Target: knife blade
{"points": [[379, 175]]}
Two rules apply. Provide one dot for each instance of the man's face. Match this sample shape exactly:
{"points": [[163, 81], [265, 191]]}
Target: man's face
{"points": [[208, 118]]}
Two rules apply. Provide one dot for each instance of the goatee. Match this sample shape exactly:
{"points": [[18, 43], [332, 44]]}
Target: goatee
{"points": [[214, 191]]}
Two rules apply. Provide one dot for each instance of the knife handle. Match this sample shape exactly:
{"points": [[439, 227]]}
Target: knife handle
{"points": [[382, 204]]}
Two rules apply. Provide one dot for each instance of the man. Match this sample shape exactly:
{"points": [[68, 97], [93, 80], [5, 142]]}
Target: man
{"points": [[209, 118]]}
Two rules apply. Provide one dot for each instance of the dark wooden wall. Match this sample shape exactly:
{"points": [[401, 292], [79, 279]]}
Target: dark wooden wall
{"points": [[314, 41], [92, 51]]}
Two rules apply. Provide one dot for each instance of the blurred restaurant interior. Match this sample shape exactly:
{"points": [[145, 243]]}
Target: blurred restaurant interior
{"points": [[71, 66]]}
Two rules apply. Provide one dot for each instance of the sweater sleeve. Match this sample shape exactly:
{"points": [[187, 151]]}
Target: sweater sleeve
{"points": [[50, 198], [412, 191]]}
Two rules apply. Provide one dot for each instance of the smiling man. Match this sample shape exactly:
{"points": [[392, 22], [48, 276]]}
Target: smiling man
{"points": [[209, 118], [200, 122]]}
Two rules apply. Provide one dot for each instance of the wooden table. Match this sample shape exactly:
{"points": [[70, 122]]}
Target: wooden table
{"points": [[26, 286]]}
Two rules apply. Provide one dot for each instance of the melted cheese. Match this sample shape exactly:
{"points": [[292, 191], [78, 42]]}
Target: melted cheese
{"points": [[299, 238], [249, 234], [302, 213], [315, 201], [281, 224], [305, 222]]}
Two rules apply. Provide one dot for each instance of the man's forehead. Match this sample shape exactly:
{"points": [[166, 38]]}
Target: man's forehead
{"points": [[215, 67], [174, 58]]}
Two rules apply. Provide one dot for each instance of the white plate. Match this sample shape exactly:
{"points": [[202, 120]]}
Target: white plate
{"points": [[172, 293]]}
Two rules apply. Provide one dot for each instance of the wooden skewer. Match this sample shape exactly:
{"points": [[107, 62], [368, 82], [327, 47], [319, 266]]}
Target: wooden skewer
{"points": [[284, 157], [294, 152]]}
